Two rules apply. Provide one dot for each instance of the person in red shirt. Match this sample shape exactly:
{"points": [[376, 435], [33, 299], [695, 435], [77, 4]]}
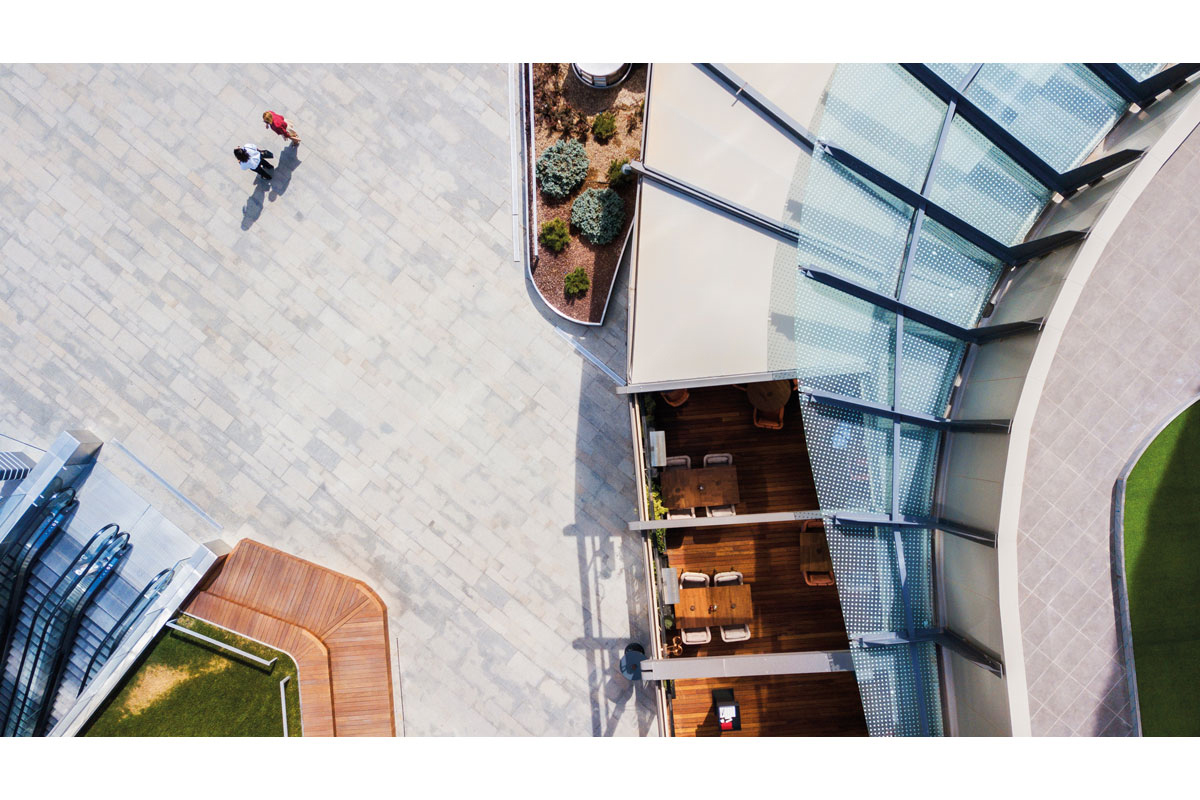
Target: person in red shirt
{"points": [[277, 123]]}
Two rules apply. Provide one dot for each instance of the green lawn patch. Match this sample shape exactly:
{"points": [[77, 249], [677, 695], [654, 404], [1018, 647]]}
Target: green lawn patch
{"points": [[185, 687], [1162, 565]]}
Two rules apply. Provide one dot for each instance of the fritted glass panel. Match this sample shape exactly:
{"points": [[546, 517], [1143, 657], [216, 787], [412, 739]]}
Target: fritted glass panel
{"points": [[890, 679], [1140, 72], [949, 277], [843, 345], [930, 361], [953, 74], [850, 228], [1059, 111], [884, 116], [917, 463], [978, 182], [868, 582], [851, 454]]}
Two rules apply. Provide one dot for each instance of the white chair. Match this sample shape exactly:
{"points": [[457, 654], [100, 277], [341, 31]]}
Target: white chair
{"points": [[681, 513], [696, 635], [732, 578], [693, 580], [718, 460], [674, 462], [735, 633]]}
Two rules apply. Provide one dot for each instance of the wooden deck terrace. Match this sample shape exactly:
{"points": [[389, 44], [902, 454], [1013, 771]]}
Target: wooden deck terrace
{"points": [[789, 616], [334, 627], [772, 466]]}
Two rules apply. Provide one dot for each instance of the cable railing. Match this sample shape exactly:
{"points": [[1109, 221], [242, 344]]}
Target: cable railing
{"points": [[53, 625]]}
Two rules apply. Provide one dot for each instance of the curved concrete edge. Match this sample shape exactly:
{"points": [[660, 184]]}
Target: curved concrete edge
{"points": [[525, 218], [1031, 392], [1120, 589]]}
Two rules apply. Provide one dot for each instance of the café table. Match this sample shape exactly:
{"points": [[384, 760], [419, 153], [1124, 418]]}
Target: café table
{"points": [[769, 395], [711, 606], [703, 486]]}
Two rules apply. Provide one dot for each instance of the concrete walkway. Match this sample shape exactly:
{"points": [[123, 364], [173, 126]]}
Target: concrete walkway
{"points": [[1128, 357], [345, 364]]}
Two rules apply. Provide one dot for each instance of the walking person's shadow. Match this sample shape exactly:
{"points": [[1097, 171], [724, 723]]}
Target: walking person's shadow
{"points": [[278, 184], [254, 203], [288, 161]]}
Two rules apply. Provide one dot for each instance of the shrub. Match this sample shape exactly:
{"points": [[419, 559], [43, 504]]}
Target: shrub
{"points": [[599, 215], [616, 176], [659, 511], [555, 235], [576, 283], [636, 117], [604, 126], [562, 168]]}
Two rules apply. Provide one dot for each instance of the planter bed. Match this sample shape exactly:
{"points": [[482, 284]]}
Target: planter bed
{"points": [[599, 262]]}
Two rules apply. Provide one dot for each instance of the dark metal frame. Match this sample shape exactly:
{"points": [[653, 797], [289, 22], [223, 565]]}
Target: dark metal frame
{"points": [[1143, 93], [948, 639], [1065, 183]]}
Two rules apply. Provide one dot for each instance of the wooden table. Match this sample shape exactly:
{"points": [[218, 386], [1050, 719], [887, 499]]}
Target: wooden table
{"points": [[733, 606], [706, 486], [814, 552], [769, 395]]}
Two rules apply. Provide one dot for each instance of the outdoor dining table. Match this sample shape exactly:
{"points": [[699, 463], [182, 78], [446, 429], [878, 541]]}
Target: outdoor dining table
{"points": [[769, 395], [703, 486], [709, 606]]}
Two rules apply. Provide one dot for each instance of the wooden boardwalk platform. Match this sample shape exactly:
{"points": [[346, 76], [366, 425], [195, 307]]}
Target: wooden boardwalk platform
{"points": [[334, 626]]}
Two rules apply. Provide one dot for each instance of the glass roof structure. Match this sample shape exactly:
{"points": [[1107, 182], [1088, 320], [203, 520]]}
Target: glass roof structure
{"points": [[885, 228], [865, 460]]}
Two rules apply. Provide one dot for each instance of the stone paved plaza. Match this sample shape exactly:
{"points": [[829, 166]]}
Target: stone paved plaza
{"points": [[346, 364]]}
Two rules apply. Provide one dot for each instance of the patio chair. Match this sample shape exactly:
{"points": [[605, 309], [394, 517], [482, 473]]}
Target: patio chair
{"points": [[675, 398], [693, 580], [731, 578], [678, 462], [735, 633], [823, 578], [718, 460], [696, 635], [681, 513], [771, 420]]}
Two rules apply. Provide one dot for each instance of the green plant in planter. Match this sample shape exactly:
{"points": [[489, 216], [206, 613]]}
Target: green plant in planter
{"points": [[616, 176], [555, 235], [561, 168], [576, 283], [604, 126], [659, 511], [599, 214]]}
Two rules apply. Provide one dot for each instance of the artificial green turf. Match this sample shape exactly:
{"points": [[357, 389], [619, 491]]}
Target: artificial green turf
{"points": [[1162, 565], [225, 695]]}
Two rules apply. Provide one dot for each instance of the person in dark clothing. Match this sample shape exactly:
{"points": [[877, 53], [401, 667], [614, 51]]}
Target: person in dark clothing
{"points": [[251, 157]]}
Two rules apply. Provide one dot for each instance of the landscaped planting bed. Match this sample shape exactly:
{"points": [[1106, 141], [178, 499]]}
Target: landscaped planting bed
{"points": [[581, 137], [186, 687]]}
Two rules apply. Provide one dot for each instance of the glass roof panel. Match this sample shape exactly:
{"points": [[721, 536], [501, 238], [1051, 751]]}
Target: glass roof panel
{"points": [[883, 115], [850, 228], [889, 685], [949, 277], [978, 182], [1059, 111], [929, 364], [1140, 72], [843, 345], [953, 74], [851, 454]]}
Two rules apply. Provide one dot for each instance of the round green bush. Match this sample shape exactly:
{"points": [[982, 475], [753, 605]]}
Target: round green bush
{"points": [[576, 283], [604, 126], [555, 235], [599, 215], [562, 168]]}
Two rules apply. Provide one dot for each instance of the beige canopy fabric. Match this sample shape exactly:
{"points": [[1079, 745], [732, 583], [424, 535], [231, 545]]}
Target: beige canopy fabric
{"points": [[702, 279]]}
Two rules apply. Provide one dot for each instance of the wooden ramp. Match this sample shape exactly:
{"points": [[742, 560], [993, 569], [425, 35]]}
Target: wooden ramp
{"points": [[334, 626]]}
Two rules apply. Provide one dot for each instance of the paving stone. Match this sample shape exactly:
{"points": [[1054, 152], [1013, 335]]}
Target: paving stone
{"points": [[346, 364]]}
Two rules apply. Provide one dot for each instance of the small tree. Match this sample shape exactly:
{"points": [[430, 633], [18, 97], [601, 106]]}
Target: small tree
{"points": [[604, 126], [576, 283], [555, 235], [599, 215]]}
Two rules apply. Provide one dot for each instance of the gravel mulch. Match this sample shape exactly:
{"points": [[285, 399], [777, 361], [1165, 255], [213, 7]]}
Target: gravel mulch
{"points": [[598, 261]]}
